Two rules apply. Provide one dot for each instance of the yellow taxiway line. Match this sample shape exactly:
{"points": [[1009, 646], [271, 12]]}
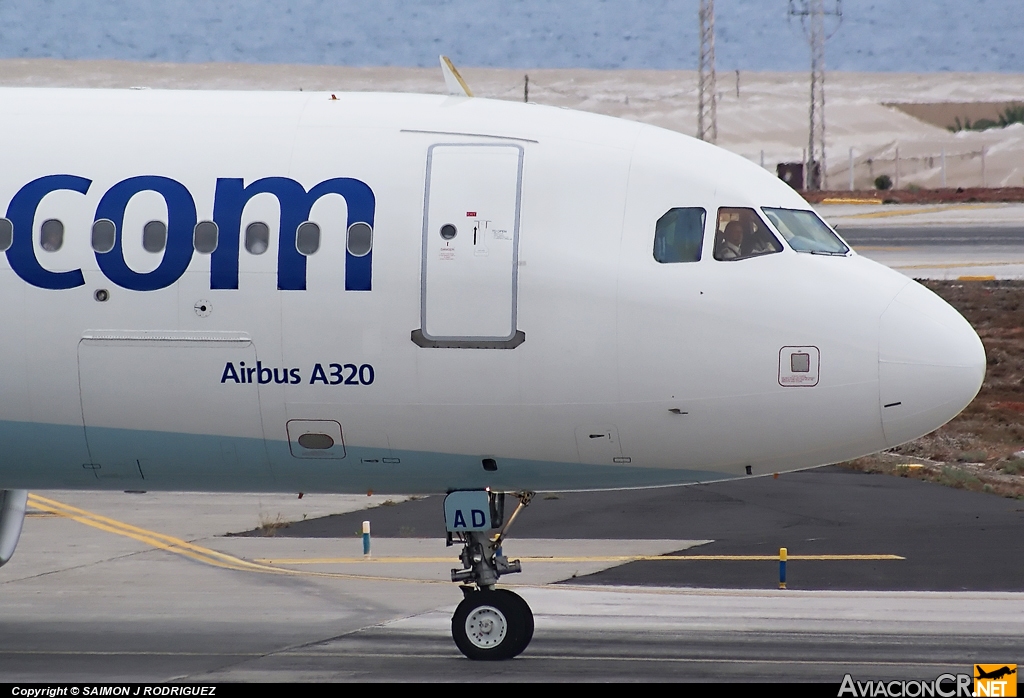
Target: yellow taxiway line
{"points": [[179, 546], [836, 201], [916, 211], [151, 538], [957, 265], [558, 558]]}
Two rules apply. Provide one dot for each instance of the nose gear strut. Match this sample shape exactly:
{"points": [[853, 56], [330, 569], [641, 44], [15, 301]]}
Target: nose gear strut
{"points": [[489, 623]]}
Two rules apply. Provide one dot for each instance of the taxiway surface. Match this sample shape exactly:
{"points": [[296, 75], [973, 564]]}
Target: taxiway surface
{"points": [[944, 241], [145, 587]]}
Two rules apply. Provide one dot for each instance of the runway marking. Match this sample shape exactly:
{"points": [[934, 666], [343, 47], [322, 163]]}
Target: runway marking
{"points": [[152, 538], [915, 211], [182, 547], [556, 558]]}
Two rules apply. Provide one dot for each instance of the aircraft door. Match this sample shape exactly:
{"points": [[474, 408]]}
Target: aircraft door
{"points": [[469, 269], [171, 409]]}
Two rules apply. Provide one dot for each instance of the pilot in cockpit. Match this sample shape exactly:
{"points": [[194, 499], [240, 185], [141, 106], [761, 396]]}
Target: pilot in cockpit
{"points": [[731, 243], [744, 237]]}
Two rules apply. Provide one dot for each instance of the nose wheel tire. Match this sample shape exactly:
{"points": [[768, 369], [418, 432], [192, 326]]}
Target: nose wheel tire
{"points": [[492, 625], [525, 613]]}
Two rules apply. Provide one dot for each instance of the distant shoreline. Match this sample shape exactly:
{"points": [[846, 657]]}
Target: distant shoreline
{"points": [[115, 73]]}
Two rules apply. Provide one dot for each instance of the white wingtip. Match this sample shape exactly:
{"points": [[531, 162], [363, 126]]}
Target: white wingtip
{"points": [[452, 80]]}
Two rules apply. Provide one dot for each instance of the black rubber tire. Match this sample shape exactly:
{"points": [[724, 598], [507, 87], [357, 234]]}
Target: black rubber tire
{"points": [[527, 618], [508, 611]]}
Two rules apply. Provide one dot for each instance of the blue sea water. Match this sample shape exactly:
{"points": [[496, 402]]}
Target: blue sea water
{"points": [[875, 35]]}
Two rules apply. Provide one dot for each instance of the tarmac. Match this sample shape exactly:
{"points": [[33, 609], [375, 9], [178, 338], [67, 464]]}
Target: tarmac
{"points": [[943, 241], [888, 578]]}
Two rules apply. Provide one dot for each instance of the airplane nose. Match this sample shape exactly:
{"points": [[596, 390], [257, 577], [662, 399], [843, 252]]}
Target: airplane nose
{"points": [[931, 364]]}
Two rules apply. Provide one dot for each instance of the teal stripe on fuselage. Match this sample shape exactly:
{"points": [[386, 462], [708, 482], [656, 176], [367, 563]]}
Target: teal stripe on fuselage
{"points": [[47, 456]]}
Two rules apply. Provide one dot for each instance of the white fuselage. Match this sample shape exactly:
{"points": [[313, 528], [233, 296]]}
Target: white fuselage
{"points": [[543, 340]]}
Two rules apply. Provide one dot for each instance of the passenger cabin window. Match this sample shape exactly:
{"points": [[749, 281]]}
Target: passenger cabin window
{"points": [[805, 232], [51, 235], [741, 234], [307, 238], [678, 235], [205, 237], [154, 236], [360, 238], [104, 235], [6, 234], [257, 237]]}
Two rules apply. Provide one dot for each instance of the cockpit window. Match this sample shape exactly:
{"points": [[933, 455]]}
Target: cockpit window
{"points": [[678, 235], [741, 234], [805, 232]]}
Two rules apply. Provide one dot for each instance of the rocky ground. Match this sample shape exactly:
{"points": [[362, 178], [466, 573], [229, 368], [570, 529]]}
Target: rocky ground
{"points": [[982, 448]]}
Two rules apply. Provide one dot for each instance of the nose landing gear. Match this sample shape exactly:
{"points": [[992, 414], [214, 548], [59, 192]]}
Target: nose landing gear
{"points": [[489, 624], [492, 624]]}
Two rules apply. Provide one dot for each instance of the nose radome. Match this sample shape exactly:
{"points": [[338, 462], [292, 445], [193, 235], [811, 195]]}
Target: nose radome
{"points": [[931, 364]]}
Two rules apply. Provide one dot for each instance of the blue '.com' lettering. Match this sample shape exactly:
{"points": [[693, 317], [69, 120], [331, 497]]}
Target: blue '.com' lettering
{"points": [[230, 198]]}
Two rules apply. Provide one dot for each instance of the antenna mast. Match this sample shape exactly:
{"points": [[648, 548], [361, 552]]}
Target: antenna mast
{"points": [[812, 17], [707, 111]]}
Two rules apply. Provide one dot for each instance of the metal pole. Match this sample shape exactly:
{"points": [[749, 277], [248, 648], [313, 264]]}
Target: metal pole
{"points": [[817, 48], [897, 183], [851, 169], [707, 109], [526, 88], [737, 83], [816, 133], [762, 158], [803, 159], [812, 16]]}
